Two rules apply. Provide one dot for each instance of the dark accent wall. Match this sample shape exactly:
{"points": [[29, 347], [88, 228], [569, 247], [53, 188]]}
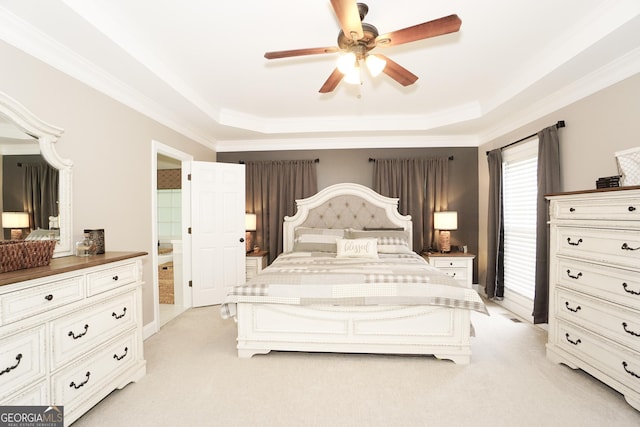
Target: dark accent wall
{"points": [[353, 165]]}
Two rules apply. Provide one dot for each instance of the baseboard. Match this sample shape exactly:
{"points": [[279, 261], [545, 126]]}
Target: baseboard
{"points": [[149, 329]]}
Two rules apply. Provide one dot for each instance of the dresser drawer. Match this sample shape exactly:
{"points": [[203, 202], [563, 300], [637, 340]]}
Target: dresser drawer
{"points": [[35, 395], [105, 280], [459, 274], [79, 382], [610, 320], [78, 333], [626, 209], [22, 360], [612, 284], [614, 361], [620, 247], [39, 299], [448, 263]]}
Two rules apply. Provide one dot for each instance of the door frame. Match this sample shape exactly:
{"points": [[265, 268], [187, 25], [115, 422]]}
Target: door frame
{"points": [[185, 159]]}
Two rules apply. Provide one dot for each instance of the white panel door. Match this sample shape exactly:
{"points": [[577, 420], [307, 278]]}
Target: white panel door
{"points": [[217, 230]]}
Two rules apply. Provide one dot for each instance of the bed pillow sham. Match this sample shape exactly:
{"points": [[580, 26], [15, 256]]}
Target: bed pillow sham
{"points": [[389, 241], [307, 239], [357, 248]]}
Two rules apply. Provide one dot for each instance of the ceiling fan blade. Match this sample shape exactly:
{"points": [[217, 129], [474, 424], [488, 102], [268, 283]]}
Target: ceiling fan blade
{"points": [[300, 52], [437, 27], [349, 17], [397, 72], [332, 82]]}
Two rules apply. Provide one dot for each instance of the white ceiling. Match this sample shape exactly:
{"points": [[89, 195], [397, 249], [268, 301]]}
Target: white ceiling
{"points": [[198, 66]]}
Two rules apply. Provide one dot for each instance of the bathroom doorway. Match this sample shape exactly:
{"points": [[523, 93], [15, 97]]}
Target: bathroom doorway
{"points": [[171, 213]]}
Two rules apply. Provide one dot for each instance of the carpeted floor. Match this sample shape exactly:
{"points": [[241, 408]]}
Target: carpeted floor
{"points": [[194, 378]]}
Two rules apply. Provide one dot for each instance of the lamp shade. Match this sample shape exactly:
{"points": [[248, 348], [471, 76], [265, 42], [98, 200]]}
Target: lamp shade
{"points": [[250, 222], [447, 220], [15, 219]]}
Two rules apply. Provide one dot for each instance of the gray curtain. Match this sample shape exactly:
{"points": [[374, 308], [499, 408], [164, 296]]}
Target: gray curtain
{"points": [[272, 188], [494, 286], [422, 187], [40, 199], [548, 182]]}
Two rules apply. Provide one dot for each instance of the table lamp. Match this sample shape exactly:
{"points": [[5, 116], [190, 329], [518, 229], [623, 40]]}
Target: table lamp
{"points": [[16, 221], [250, 227], [445, 221]]}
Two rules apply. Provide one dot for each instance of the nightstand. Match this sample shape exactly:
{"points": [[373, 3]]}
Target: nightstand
{"points": [[256, 261], [458, 265]]}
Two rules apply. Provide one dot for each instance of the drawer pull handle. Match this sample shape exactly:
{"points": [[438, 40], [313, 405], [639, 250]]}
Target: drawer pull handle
{"points": [[49, 297], [573, 243], [73, 384], [624, 326], [115, 278], [80, 335], [572, 209], [576, 277], [576, 342], [629, 291], [11, 368], [126, 350], [626, 247], [575, 310], [124, 311], [632, 208], [624, 365]]}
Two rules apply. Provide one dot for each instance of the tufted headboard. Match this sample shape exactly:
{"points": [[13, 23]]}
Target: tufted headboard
{"points": [[345, 205]]}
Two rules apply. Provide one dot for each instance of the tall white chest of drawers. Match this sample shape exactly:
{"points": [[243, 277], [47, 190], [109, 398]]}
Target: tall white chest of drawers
{"points": [[594, 294], [71, 333]]}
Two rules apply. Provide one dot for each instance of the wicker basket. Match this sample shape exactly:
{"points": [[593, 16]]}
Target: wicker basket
{"points": [[19, 254]]}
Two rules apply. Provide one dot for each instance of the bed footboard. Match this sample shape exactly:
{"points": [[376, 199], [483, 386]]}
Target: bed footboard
{"points": [[426, 330]]}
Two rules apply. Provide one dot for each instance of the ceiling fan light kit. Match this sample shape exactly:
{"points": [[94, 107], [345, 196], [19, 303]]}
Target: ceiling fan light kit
{"points": [[356, 38]]}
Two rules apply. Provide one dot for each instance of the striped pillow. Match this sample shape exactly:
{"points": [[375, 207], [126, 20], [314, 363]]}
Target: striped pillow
{"points": [[389, 241], [316, 239]]}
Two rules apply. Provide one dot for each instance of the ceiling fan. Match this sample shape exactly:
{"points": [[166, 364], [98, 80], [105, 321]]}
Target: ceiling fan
{"points": [[357, 38]]}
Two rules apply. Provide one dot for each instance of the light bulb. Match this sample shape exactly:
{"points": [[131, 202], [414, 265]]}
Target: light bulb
{"points": [[346, 63], [353, 77], [375, 64]]}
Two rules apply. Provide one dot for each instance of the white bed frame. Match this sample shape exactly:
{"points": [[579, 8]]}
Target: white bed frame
{"points": [[429, 330]]}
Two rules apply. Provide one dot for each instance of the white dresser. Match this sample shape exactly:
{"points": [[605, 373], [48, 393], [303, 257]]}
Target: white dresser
{"points": [[594, 295], [71, 332]]}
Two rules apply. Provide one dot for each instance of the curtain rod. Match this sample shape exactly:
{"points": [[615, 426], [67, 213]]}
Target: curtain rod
{"points": [[314, 160], [558, 125], [371, 159]]}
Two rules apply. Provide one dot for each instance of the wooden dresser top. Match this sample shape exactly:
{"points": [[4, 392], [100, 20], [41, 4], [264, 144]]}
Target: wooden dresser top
{"points": [[65, 264]]}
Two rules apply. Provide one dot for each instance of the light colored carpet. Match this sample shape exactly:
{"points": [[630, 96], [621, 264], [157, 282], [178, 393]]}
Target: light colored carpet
{"points": [[194, 378]]}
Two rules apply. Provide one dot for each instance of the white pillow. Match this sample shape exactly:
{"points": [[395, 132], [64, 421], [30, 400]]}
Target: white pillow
{"points": [[357, 248]]}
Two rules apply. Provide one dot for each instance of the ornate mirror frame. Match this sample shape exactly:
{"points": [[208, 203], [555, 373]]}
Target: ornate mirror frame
{"points": [[46, 135]]}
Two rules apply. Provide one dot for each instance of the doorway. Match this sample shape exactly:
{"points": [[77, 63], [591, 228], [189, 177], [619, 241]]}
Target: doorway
{"points": [[171, 214]]}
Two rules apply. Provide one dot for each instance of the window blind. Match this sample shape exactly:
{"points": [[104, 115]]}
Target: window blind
{"points": [[519, 202]]}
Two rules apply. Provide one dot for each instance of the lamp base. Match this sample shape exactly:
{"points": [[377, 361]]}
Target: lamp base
{"points": [[445, 241], [248, 241]]}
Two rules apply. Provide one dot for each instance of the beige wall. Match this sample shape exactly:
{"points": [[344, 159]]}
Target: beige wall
{"points": [[110, 146], [596, 127]]}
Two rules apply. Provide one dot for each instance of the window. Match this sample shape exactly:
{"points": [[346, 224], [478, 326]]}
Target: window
{"points": [[519, 171]]}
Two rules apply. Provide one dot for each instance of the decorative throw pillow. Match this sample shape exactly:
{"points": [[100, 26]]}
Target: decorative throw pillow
{"points": [[316, 239], [389, 241], [357, 248]]}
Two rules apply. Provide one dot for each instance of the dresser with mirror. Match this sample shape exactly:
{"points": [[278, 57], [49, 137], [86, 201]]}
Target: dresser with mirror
{"points": [[70, 331]]}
